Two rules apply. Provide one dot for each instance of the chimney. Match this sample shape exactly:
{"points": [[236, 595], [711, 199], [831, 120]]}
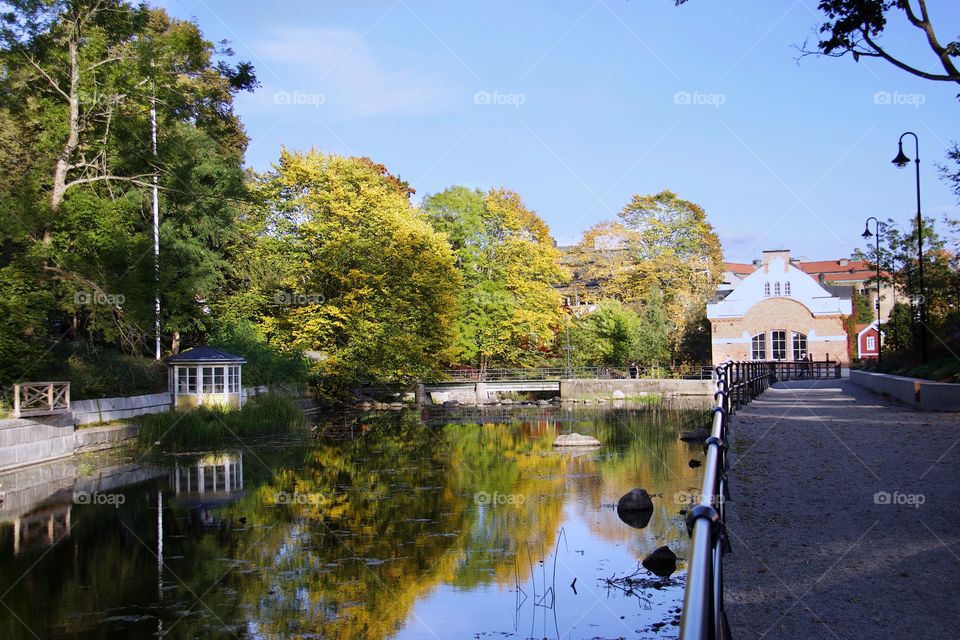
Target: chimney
{"points": [[776, 254], [844, 262]]}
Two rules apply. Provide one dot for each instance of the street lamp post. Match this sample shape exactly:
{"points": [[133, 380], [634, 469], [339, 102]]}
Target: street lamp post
{"points": [[901, 161], [866, 235]]}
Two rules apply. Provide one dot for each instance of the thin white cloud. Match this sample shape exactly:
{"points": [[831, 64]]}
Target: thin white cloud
{"points": [[336, 70]]}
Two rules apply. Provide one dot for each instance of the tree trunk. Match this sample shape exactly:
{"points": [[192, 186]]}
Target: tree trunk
{"points": [[73, 138]]}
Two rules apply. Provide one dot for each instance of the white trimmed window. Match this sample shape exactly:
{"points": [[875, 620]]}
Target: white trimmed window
{"points": [[758, 347], [778, 340], [766, 289], [871, 343], [186, 380], [776, 288], [786, 288], [799, 346]]}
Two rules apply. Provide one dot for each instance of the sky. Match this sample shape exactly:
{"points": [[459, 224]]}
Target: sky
{"points": [[578, 105]]}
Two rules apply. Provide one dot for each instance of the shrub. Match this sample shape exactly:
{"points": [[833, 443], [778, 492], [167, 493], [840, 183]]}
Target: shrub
{"points": [[269, 414]]}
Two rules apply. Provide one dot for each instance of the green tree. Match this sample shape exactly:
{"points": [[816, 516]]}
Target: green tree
{"points": [[608, 336], [665, 244], [654, 343], [509, 309], [357, 277], [80, 79]]}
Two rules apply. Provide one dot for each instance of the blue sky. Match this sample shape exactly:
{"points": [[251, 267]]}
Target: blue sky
{"points": [[579, 105]]}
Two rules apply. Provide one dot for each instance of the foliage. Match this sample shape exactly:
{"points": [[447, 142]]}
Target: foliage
{"points": [[266, 363], [863, 313], [80, 78], [204, 426], [855, 27], [661, 244], [355, 275], [509, 310]]}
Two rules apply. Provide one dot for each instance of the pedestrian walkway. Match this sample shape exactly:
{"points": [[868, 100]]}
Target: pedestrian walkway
{"points": [[844, 517]]}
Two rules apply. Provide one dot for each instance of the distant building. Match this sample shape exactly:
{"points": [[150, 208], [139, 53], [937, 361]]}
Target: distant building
{"points": [[778, 312], [868, 341], [841, 272]]}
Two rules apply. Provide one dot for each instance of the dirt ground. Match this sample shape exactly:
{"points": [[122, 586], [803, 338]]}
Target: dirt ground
{"points": [[845, 517]]}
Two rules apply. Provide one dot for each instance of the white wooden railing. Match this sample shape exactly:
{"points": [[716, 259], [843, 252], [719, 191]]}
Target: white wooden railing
{"points": [[40, 398]]}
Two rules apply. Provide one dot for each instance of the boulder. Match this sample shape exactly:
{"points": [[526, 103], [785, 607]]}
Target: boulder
{"points": [[635, 500], [661, 561], [543, 403], [451, 403], [619, 395], [575, 440]]}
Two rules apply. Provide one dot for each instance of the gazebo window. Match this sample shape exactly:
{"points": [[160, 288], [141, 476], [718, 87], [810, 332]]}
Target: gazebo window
{"points": [[233, 379], [186, 379]]}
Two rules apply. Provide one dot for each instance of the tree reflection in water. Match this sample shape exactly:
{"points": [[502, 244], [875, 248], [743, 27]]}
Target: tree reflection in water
{"points": [[377, 528]]}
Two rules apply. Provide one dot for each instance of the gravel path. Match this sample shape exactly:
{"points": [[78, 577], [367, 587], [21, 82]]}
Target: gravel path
{"points": [[814, 553]]}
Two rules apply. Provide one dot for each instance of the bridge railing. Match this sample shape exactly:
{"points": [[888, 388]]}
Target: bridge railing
{"points": [[579, 373], [703, 616]]}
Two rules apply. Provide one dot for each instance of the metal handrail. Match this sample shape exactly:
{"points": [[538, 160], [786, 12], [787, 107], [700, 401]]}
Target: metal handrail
{"points": [[703, 616]]}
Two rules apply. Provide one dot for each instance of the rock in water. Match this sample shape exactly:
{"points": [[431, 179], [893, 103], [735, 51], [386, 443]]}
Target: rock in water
{"points": [[619, 395], [635, 500], [635, 508], [661, 561], [575, 440]]}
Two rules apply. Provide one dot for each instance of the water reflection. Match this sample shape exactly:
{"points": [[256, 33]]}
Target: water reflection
{"points": [[385, 526]]}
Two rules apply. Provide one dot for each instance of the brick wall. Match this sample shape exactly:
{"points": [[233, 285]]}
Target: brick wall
{"points": [[731, 337]]}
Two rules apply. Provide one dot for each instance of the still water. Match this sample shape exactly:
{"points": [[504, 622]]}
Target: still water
{"points": [[442, 524]]}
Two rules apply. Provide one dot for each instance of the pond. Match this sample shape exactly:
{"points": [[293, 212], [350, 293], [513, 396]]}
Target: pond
{"points": [[461, 523]]}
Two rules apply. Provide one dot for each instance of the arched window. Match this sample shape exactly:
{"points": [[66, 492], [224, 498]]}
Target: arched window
{"points": [[766, 289], [758, 350], [776, 288], [786, 288]]}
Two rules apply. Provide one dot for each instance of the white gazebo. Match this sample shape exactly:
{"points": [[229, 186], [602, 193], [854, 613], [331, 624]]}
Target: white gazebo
{"points": [[204, 376]]}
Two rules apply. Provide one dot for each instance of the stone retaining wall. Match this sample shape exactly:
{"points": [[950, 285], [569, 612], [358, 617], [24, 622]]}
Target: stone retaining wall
{"points": [[582, 389], [923, 394], [109, 409]]}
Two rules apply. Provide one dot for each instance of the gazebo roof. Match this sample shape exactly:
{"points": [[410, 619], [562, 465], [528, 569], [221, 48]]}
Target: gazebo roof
{"points": [[204, 355]]}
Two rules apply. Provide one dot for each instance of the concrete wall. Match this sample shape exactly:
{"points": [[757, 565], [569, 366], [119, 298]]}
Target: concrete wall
{"points": [[923, 394], [579, 389], [108, 409], [24, 441], [107, 437]]}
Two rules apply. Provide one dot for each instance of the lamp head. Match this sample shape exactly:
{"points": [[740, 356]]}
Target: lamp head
{"points": [[866, 235], [901, 160]]}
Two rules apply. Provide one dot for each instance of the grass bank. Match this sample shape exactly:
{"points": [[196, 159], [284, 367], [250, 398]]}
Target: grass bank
{"points": [[176, 431]]}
